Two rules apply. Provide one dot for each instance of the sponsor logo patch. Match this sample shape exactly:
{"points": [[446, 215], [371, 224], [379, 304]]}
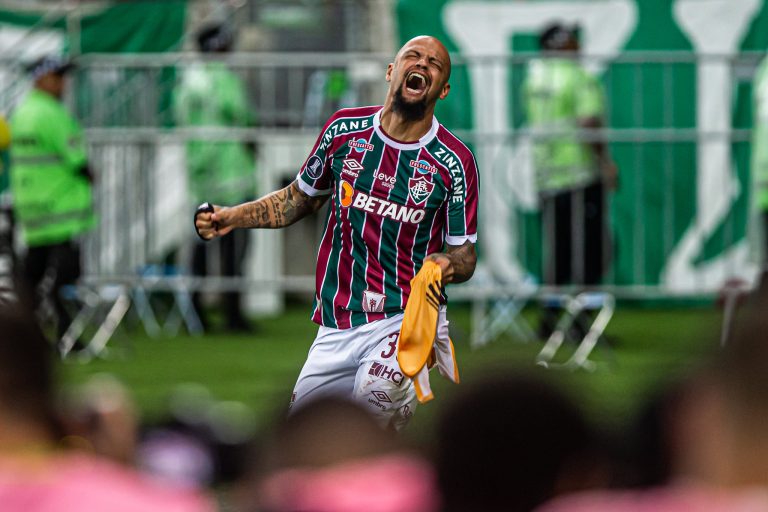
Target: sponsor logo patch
{"points": [[346, 192], [360, 145], [381, 396], [349, 197], [314, 167], [456, 169], [373, 302], [419, 189], [386, 181], [385, 372], [423, 167], [351, 167]]}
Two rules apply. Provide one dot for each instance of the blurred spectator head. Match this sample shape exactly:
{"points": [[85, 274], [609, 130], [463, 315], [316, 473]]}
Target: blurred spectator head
{"points": [[217, 38], [327, 432], [512, 442], [558, 37], [48, 74], [102, 412], [330, 455], [719, 429], [26, 375], [201, 442]]}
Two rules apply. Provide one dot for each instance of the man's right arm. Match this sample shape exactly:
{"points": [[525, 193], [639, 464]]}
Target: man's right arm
{"points": [[276, 210]]}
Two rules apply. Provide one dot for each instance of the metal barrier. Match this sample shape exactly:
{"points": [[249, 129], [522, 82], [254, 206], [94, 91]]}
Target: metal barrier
{"points": [[678, 125]]}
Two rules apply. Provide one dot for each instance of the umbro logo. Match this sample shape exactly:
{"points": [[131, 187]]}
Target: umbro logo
{"points": [[381, 396], [352, 167]]}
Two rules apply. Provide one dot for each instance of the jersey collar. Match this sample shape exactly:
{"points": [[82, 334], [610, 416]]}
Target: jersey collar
{"points": [[423, 141]]}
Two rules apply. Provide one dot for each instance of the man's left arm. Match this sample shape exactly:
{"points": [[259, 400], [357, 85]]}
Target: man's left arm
{"points": [[457, 262]]}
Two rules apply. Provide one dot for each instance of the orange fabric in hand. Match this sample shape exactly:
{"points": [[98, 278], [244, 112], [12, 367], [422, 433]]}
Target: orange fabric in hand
{"points": [[419, 321]]}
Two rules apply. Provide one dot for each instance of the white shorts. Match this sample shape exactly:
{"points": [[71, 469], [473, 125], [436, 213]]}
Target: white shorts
{"points": [[360, 363]]}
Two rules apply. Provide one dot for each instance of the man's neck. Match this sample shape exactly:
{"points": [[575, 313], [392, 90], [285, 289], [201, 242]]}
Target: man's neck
{"points": [[398, 128]]}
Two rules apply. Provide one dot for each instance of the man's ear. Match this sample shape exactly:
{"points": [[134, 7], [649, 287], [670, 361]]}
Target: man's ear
{"points": [[388, 76], [444, 92]]}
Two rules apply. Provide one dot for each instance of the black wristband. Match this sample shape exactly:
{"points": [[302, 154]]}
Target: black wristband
{"points": [[203, 208]]}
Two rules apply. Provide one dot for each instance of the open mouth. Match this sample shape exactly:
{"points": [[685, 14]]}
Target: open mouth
{"points": [[415, 83]]}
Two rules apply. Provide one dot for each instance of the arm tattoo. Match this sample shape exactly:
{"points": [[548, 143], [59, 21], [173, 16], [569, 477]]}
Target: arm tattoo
{"points": [[279, 209], [463, 259]]}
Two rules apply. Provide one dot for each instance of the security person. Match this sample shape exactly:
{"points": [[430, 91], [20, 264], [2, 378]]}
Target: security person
{"points": [[5, 157], [760, 151], [7, 260], [563, 102], [220, 171], [51, 183]]}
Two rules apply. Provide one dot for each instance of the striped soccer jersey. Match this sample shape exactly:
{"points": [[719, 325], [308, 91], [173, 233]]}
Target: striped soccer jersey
{"points": [[392, 203]]}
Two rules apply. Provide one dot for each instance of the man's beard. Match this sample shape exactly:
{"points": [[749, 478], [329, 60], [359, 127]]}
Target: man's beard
{"points": [[414, 111]]}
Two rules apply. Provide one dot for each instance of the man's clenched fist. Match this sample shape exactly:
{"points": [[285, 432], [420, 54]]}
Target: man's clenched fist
{"points": [[211, 221]]}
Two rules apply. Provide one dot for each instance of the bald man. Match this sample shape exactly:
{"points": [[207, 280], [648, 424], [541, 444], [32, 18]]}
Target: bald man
{"points": [[403, 190]]}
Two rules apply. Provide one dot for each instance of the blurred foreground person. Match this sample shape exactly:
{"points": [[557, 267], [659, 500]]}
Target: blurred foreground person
{"points": [[36, 473], [330, 455], [719, 447], [511, 443], [101, 413]]}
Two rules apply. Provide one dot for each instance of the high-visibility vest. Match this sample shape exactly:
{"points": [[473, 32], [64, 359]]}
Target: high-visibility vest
{"points": [[760, 136], [5, 157], [220, 171], [52, 199]]}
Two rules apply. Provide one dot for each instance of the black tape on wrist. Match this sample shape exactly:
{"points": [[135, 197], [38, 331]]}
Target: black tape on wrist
{"points": [[203, 208]]}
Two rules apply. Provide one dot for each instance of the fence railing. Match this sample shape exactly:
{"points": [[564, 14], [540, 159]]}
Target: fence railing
{"points": [[677, 124]]}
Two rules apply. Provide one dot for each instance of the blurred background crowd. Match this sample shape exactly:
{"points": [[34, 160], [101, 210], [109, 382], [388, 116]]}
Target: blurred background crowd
{"points": [[512, 440]]}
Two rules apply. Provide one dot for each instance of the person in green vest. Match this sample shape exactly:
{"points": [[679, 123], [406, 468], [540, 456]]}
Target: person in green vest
{"points": [[5, 155], [210, 95], [7, 259], [564, 103], [51, 184], [760, 151]]}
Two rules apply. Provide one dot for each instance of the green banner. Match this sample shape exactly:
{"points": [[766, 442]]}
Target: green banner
{"points": [[130, 27], [679, 217], [126, 27]]}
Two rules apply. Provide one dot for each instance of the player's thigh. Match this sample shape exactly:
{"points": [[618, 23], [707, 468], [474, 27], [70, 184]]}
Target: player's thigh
{"points": [[381, 386], [329, 370]]}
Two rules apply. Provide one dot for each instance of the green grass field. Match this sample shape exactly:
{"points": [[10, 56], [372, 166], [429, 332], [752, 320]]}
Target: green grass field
{"points": [[651, 347]]}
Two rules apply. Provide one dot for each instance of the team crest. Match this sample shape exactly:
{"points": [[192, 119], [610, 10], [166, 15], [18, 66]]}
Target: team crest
{"points": [[419, 189], [373, 302]]}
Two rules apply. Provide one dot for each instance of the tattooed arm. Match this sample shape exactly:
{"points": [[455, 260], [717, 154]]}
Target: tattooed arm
{"points": [[457, 262], [276, 210]]}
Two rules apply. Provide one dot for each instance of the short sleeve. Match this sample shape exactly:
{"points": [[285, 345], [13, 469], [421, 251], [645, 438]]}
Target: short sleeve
{"points": [[315, 177], [461, 213]]}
